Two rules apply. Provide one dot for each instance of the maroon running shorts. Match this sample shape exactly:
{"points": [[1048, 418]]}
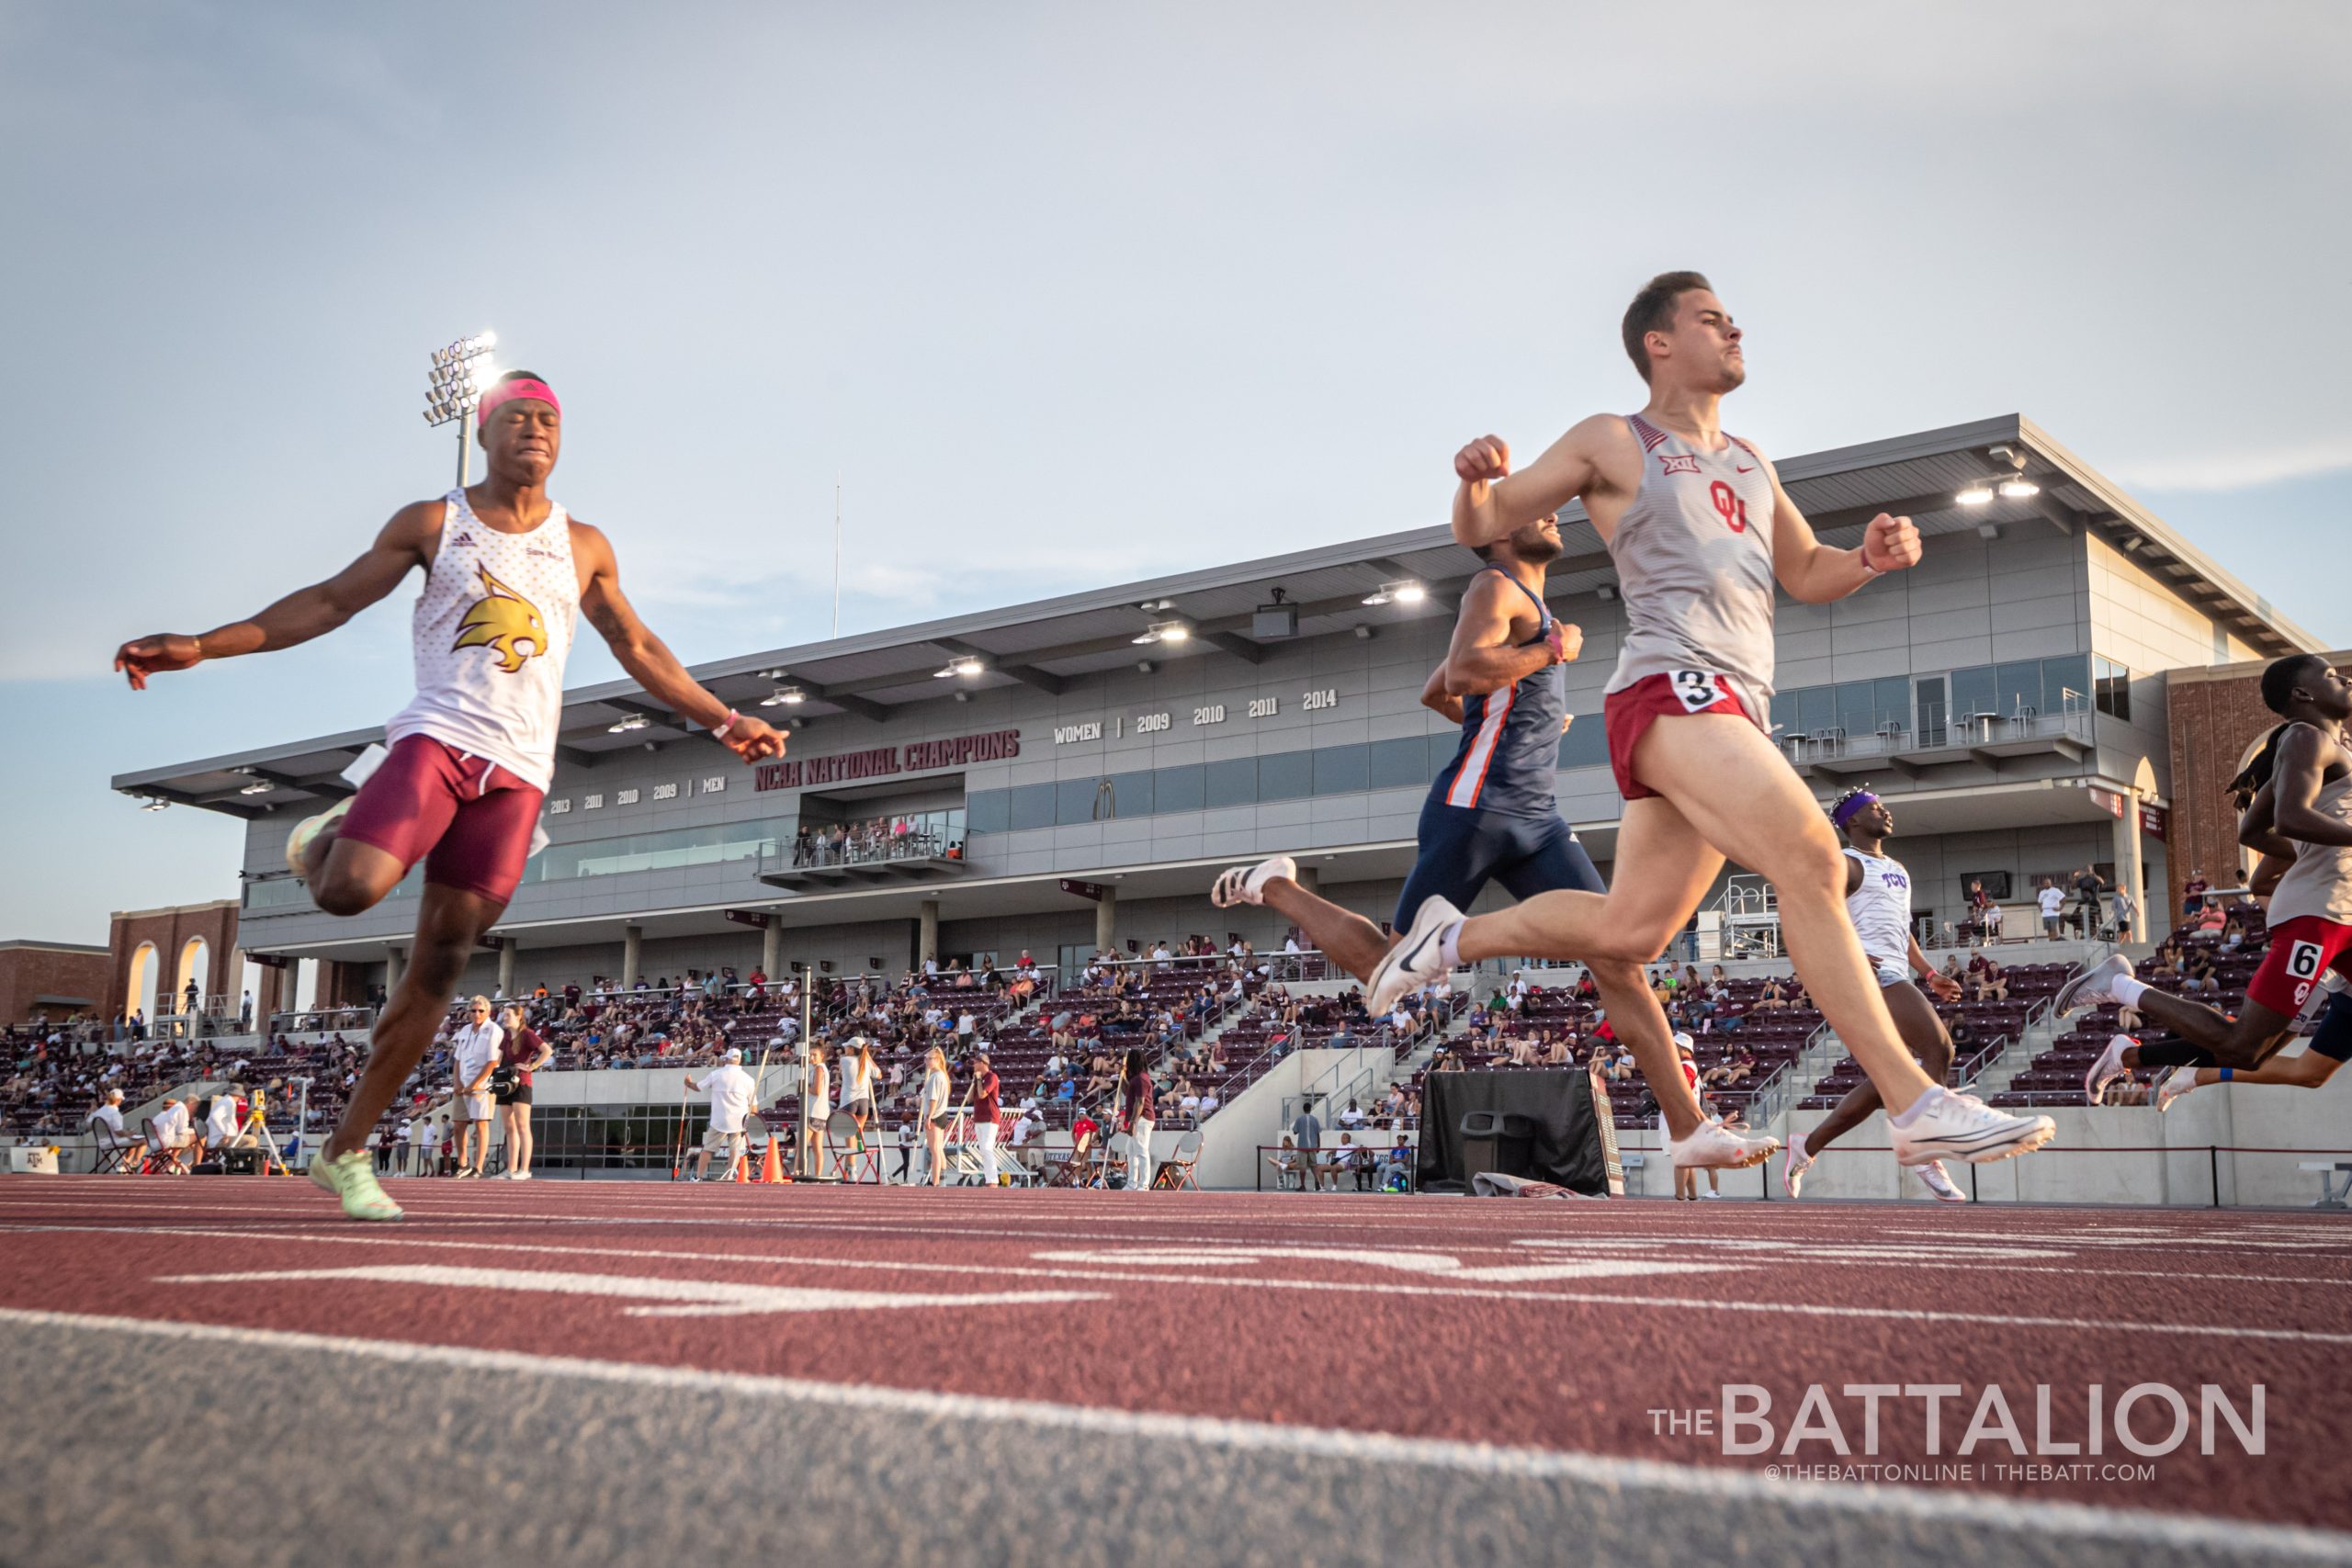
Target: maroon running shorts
{"points": [[468, 819], [2301, 950], [1628, 714]]}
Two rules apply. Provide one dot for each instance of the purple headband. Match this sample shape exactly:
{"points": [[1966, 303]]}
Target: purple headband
{"points": [[1852, 807]]}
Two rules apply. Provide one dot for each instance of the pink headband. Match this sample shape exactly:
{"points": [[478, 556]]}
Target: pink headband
{"points": [[507, 391]]}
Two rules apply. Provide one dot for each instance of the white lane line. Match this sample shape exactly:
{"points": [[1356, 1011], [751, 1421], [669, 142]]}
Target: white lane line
{"points": [[2001, 1513], [1409, 1261], [1369, 1287], [361, 1237], [695, 1298]]}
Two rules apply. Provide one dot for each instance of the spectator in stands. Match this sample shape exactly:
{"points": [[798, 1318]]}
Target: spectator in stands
{"points": [[1288, 1163], [1964, 1035], [1774, 995], [2052, 905], [2232, 936], [2211, 917], [2124, 912], [2192, 893], [2090, 891], [1208, 1103]]}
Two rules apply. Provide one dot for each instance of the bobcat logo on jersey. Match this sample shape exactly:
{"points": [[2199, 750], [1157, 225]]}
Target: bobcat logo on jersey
{"points": [[504, 622]]}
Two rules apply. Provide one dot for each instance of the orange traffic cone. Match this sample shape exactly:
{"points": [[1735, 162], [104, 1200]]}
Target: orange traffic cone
{"points": [[772, 1169]]}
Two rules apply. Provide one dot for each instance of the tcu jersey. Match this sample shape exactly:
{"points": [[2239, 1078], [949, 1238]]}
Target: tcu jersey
{"points": [[1694, 561], [493, 628], [1510, 737], [1880, 909]]}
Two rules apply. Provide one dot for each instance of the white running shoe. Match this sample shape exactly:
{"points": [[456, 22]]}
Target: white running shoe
{"points": [[1793, 1173], [2091, 988], [2177, 1082], [1711, 1192], [518, 1175], [1939, 1185], [1948, 1123], [1716, 1145], [1247, 884], [298, 843], [1416, 960], [2106, 1069]]}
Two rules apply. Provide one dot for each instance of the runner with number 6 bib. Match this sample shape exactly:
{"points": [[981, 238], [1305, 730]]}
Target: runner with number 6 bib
{"points": [[1700, 530]]}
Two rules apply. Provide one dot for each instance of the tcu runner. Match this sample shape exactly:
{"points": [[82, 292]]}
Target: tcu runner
{"points": [[1700, 530], [506, 572], [1878, 900]]}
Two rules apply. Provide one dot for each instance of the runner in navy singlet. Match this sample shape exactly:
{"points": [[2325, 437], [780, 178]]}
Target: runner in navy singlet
{"points": [[1490, 814]]}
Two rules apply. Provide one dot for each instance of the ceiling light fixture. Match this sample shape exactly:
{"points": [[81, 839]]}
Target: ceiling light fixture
{"points": [[962, 664], [2019, 488], [784, 696], [1405, 593], [256, 787], [633, 721], [1163, 631], [157, 803], [1978, 493]]}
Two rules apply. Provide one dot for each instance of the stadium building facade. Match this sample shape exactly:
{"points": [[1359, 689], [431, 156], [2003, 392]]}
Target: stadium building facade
{"points": [[1070, 774]]}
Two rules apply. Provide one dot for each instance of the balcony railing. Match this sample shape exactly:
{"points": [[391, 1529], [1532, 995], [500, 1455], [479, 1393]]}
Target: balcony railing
{"points": [[1962, 737]]}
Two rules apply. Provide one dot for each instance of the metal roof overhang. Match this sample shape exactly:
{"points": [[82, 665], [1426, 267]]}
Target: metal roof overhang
{"points": [[1048, 642]]}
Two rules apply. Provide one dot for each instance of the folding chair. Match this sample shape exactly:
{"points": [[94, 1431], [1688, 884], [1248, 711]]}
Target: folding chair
{"points": [[1071, 1172], [843, 1147], [1175, 1173], [112, 1154]]}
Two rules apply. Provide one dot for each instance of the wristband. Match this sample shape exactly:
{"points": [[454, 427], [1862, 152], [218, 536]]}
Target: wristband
{"points": [[719, 732], [1863, 555]]}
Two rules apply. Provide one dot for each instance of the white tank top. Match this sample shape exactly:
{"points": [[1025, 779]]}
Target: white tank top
{"points": [[1881, 908], [1693, 555], [493, 628], [2320, 882]]}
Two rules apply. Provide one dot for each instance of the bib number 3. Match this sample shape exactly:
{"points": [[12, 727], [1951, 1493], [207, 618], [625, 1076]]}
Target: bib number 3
{"points": [[1696, 690]]}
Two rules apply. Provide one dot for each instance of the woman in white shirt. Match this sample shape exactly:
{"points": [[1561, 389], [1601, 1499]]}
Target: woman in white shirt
{"points": [[818, 1088], [930, 1109], [860, 1077]]}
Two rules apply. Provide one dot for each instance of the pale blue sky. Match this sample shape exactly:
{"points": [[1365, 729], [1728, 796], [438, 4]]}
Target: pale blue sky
{"points": [[1070, 295]]}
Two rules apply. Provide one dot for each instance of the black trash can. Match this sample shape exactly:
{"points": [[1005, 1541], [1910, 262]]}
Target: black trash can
{"points": [[1500, 1141]]}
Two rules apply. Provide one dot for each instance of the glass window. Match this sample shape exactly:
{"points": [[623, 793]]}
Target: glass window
{"points": [[1343, 770], [1816, 709], [1441, 750], [1854, 713], [1130, 795], [1932, 710], [2069, 674], [1286, 775], [2113, 686], [2019, 687], [1081, 800], [1233, 782], [1891, 701], [1032, 805], [1176, 789], [1586, 745], [985, 810], [1973, 691], [1402, 764]]}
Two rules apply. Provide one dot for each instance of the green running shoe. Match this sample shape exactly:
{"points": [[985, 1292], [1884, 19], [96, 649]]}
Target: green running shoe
{"points": [[352, 1177]]}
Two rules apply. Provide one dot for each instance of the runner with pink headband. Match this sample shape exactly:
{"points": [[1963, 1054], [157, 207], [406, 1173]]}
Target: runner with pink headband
{"points": [[508, 575]]}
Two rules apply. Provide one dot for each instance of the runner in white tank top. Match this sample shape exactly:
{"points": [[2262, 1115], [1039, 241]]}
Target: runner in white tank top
{"points": [[2300, 812], [507, 573], [1878, 900], [1702, 534]]}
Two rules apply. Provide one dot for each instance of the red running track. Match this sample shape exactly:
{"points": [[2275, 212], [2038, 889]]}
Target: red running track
{"points": [[1558, 1326]]}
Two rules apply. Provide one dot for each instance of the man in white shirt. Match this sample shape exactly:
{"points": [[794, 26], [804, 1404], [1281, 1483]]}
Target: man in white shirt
{"points": [[473, 1054], [731, 1095], [172, 1135], [2051, 902], [428, 1146], [106, 1125], [220, 1123]]}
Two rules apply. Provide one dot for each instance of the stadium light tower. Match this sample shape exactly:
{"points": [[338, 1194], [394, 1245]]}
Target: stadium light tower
{"points": [[461, 373]]}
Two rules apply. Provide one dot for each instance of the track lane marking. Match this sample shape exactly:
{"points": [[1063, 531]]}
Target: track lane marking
{"points": [[686, 1298], [1366, 1287], [2000, 1513]]}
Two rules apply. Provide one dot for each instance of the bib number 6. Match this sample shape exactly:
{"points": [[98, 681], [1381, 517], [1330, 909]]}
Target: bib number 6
{"points": [[2302, 961]]}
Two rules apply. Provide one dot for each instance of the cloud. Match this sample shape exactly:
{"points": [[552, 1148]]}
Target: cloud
{"points": [[2241, 469]]}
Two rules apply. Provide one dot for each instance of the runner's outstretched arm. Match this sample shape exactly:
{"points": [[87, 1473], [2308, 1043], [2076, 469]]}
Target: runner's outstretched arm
{"points": [[1816, 574], [649, 660], [302, 615], [1493, 501]]}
